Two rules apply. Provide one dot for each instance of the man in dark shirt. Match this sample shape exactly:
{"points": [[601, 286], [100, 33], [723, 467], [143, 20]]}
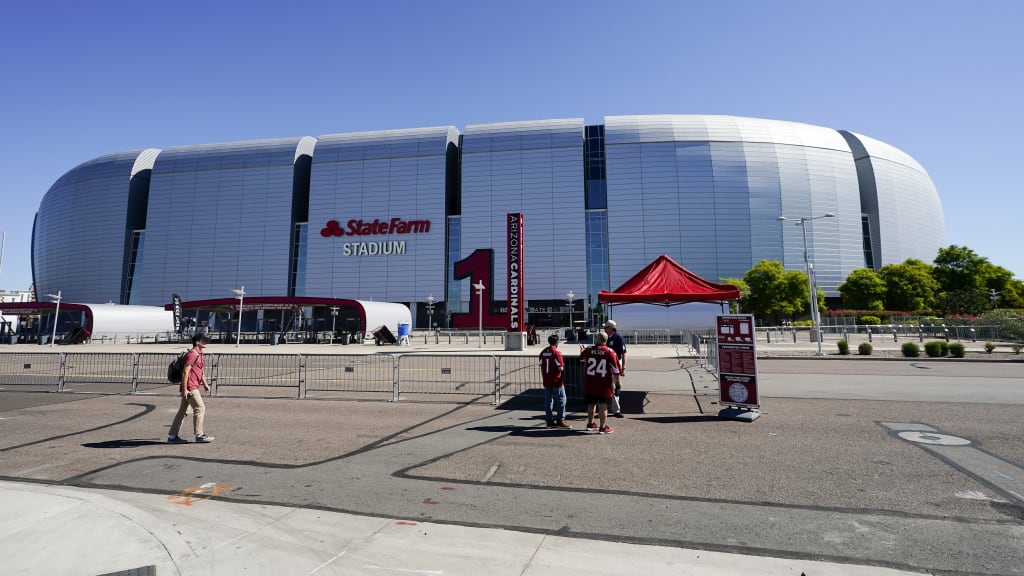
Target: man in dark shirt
{"points": [[617, 343]]}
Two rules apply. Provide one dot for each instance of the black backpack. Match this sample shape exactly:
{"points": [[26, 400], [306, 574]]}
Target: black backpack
{"points": [[176, 368]]}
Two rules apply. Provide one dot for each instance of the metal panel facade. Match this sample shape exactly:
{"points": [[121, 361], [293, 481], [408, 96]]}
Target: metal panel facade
{"points": [[219, 219], [909, 217], [79, 247], [379, 176], [706, 190], [535, 168]]}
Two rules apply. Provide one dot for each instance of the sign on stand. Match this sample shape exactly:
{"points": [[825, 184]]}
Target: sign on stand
{"points": [[737, 367]]}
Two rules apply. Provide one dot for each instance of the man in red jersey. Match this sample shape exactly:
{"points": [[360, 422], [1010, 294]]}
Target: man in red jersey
{"points": [[552, 368], [600, 379]]}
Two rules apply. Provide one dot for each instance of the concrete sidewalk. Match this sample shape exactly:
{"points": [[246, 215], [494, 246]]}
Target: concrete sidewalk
{"points": [[54, 530]]}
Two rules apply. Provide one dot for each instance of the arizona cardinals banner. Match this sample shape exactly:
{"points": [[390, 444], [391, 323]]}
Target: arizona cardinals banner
{"points": [[176, 306], [515, 272]]}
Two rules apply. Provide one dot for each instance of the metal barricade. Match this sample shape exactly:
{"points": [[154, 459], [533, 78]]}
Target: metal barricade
{"points": [[648, 336], [349, 373], [151, 370], [520, 376], [36, 369], [254, 371], [84, 371], [446, 374]]}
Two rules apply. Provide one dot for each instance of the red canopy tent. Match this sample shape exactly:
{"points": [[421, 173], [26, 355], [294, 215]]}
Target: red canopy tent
{"points": [[665, 283]]}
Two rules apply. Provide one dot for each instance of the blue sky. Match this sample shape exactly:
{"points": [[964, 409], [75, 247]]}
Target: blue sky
{"points": [[938, 79]]}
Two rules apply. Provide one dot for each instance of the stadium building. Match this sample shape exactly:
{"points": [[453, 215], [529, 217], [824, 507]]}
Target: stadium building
{"points": [[387, 216]]}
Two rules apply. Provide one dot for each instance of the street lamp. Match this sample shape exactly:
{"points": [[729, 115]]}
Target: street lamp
{"points": [[812, 284], [480, 297], [430, 312], [240, 294], [334, 319], [3, 248], [56, 316], [569, 296]]}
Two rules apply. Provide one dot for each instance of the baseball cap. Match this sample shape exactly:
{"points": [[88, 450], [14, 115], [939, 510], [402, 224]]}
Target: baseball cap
{"points": [[610, 324]]}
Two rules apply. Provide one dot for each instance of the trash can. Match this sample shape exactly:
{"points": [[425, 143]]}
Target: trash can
{"points": [[345, 338]]}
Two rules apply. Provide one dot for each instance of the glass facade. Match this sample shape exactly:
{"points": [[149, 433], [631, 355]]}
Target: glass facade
{"points": [[386, 215]]}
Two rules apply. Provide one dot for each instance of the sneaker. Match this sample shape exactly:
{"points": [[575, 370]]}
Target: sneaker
{"points": [[618, 415], [176, 440], [592, 426], [606, 430], [562, 424], [204, 438], [552, 423]]}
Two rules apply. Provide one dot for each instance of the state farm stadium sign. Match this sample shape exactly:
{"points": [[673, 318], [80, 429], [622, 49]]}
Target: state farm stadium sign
{"points": [[371, 237]]}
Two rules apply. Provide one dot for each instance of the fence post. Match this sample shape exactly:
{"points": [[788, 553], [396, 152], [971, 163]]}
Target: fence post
{"points": [[135, 373], [396, 375], [497, 380], [300, 394], [63, 372]]}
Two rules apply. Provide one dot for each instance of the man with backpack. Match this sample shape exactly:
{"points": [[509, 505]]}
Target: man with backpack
{"points": [[192, 378]]}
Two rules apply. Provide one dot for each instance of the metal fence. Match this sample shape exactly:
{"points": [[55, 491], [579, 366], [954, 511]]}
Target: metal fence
{"points": [[395, 374]]}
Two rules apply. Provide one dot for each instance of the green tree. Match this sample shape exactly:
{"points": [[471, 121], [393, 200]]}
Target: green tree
{"points": [[740, 306], [909, 286], [863, 289], [967, 279], [775, 293]]}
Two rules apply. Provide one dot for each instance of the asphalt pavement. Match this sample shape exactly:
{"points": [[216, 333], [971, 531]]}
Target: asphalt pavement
{"points": [[877, 465]]}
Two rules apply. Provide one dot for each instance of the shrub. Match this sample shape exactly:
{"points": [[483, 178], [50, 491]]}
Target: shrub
{"points": [[910, 350], [989, 347], [864, 349], [844, 347], [872, 320], [936, 348], [956, 350]]}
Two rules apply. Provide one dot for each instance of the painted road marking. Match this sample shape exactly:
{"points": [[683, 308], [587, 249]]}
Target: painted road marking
{"points": [[196, 493], [998, 474]]}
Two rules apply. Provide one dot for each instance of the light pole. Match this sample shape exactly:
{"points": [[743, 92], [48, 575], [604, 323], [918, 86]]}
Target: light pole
{"points": [[430, 312], [240, 294], [56, 316], [569, 296], [812, 284], [334, 319], [480, 297], [3, 248]]}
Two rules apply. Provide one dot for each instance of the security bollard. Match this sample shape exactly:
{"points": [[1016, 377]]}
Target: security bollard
{"points": [[894, 337], [947, 334]]}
